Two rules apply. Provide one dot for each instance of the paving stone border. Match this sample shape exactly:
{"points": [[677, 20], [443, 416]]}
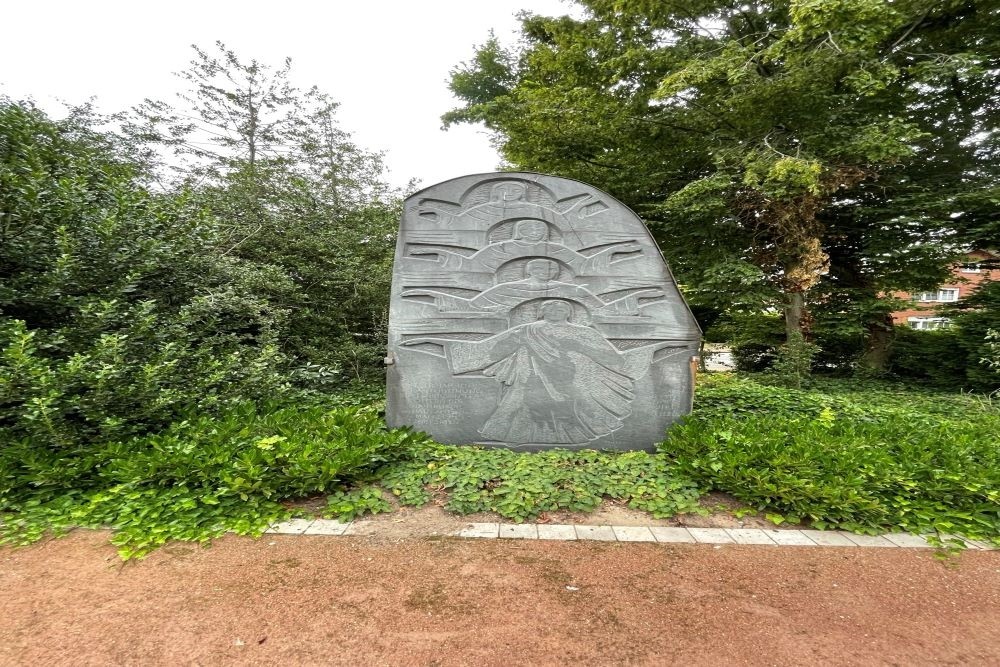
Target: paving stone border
{"points": [[660, 534]]}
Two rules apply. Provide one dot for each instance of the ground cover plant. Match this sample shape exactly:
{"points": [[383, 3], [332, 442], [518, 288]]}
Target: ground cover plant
{"points": [[521, 486], [863, 456], [202, 476], [866, 457]]}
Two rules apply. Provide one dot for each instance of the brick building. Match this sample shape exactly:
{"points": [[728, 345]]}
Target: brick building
{"points": [[979, 266]]}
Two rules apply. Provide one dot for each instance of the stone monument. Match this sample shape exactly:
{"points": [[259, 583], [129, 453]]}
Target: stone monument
{"points": [[532, 312]]}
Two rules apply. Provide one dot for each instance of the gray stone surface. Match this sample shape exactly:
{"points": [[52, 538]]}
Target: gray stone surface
{"points": [[749, 536], [633, 534], [326, 527], [602, 533], [671, 534], [486, 530], [869, 540], [530, 312], [290, 527], [711, 535], [522, 531], [794, 538], [906, 540], [828, 538], [556, 531]]}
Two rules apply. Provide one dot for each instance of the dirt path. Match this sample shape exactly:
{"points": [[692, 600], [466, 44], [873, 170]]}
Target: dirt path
{"points": [[286, 600]]}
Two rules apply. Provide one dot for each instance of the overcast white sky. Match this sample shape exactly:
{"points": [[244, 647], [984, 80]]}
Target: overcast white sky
{"points": [[387, 61]]}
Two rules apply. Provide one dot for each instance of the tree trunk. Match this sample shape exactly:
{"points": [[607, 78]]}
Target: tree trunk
{"points": [[796, 316], [879, 343]]}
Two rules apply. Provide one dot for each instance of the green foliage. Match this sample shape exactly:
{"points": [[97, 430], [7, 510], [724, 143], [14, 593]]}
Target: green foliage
{"points": [[933, 356], [836, 148], [991, 358], [864, 456], [794, 360], [116, 308], [975, 317], [292, 191], [753, 337], [349, 505], [862, 459], [954, 356], [200, 477], [522, 486]]}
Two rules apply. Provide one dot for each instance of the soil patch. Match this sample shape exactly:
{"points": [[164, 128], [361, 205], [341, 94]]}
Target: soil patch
{"points": [[291, 600]]}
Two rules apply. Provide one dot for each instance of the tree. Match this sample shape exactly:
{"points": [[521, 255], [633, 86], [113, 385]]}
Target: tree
{"points": [[759, 138], [271, 162], [116, 313]]}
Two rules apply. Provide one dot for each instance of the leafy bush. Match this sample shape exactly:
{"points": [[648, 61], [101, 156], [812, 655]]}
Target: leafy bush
{"points": [[118, 308], [349, 505], [520, 486], [866, 460], [198, 478], [953, 356], [974, 318], [933, 356]]}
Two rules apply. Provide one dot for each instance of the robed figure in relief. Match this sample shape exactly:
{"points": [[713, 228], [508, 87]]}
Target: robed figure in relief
{"points": [[560, 382]]}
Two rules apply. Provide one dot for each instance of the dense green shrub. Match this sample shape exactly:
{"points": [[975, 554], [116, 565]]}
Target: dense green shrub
{"points": [[860, 458], [934, 356], [521, 486], [117, 308], [974, 318], [954, 356], [198, 478]]}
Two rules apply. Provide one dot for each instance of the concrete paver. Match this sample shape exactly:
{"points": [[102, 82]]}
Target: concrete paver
{"points": [[522, 531], [869, 540], [633, 534], [711, 535], [326, 527], [602, 533], [791, 538], [556, 531], [828, 538], [483, 530], [749, 536], [671, 534], [906, 540], [290, 527]]}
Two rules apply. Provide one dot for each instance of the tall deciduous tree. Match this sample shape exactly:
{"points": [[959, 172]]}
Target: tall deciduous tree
{"points": [[270, 160], [116, 311], [773, 145]]}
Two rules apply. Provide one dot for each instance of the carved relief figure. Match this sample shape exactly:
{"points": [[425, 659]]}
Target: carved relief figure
{"points": [[560, 382], [530, 238], [529, 311], [500, 201], [539, 282]]}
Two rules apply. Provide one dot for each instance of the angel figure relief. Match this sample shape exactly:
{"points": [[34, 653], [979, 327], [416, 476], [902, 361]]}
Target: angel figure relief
{"points": [[560, 382], [530, 238], [539, 282], [490, 203]]}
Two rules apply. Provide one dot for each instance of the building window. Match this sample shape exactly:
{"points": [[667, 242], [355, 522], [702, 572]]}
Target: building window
{"points": [[928, 323], [943, 294], [971, 268]]}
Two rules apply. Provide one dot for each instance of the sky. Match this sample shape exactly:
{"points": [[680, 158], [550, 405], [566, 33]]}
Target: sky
{"points": [[387, 62]]}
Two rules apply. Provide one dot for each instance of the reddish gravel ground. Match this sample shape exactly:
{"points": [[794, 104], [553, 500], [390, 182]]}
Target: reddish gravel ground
{"points": [[286, 600]]}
